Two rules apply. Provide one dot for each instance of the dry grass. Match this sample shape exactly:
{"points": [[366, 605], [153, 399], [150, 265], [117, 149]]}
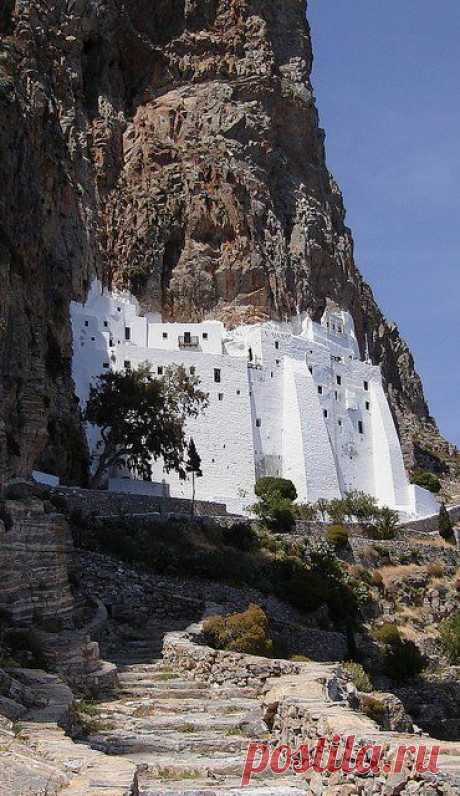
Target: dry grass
{"points": [[390, 574]]}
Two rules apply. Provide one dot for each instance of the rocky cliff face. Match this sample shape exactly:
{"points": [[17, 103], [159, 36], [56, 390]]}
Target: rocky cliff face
{"points": [[173, 148]]}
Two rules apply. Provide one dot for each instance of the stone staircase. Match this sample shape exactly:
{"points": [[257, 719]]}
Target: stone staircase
{"points": [[184, 736]]}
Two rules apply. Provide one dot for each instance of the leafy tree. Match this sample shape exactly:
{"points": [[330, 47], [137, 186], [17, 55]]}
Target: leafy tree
{"points": [[276, 512], [142, 418], [387, 522], [193, 466], [446, 528], [361, 506], [282, 486]]}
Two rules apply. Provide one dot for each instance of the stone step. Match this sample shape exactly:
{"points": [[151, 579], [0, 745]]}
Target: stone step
{"points": [[124, 743], [158, 680], [200, 788]]}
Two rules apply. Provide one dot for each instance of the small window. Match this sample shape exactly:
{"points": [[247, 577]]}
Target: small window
{"points": [[165, 335], [238, 392], [118, 309], [320, 389], [310, 368], [368, 405], [360, 426], [271, 374], [192, 370], [217, 378], [187, 338], [205, 335], [250, 355], [339, 380], [127, 364], [111, 343], [93, 339], [127, 333], [325, 412], [221, 397], [258, 422], [106, 323], [160, 370], [277, 345], [105, 364], [86, 323], [277, 361], [336, 395], [366, 385], [340, 423]]}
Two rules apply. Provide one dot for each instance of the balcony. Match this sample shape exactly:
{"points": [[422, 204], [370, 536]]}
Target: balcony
{"points": [[187, 341]]}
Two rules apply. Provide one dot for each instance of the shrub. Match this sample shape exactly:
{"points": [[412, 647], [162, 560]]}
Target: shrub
{"points": [[403, 661], [337, 536], [276, 512], [388, 633], [387, 522], [435, 570], [445, 523], [242, 536], [450, 637], [377, 580], [337, 510], [306, 512], [281, 486], [359, 676], [361, 506], [426, 480], [358, 572], [245, 632], [374, 709]]}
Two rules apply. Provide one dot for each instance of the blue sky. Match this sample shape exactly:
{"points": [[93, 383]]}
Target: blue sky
{"points": [[387, 82]]}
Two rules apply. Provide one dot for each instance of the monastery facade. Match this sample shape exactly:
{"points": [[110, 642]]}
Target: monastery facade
{"points": [[285, 399]]}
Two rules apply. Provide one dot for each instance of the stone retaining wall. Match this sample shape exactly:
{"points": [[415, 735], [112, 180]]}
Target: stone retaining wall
{"points": [[113, 503]]}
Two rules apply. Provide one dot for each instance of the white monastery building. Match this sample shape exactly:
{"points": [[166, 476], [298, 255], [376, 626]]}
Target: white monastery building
{"points": [[285, 399]]}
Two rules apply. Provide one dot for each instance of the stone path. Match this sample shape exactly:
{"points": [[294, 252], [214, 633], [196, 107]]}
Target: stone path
{"points": [[184, 736]]}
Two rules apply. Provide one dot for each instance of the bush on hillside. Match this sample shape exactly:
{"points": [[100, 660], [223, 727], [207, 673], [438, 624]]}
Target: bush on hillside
{"points": [[388, 633], [403, 661], [450, 638], [375, 709], [337, 536], [242, 536], [359, 676], [246, 632], [435, 570], [426, 480], [377, 580], [275, 512], [446, 529], [281, 486], [306, 512]]}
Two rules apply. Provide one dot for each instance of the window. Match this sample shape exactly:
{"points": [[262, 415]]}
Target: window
{"points": [[360, 426], [238, 392], [160, 370], [336, 395], [192, 370], [258, 422], [187, 338], [366, 385], [111, 343], [217, 375], [277, 345], [221, 396], [205, 335], [277, 361], [339, 423], [127, 333], [118, 309], [320, 389], [339, 380], [368, 406], [105, 364], [310, 368], [93, 339], [271, 374], [86, 323], [165, 335], [250, 355], [325, 412], [127, 364], [106, 324]]}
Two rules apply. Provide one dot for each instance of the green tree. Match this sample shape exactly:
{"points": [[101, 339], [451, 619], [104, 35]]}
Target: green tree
{"points": [[446, 529], [193, 466], [450, 637], [142, 418], [427, 480], [270, 485]]}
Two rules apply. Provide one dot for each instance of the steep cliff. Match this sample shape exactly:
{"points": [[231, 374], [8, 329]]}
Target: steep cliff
{"points": [[173, 148]]}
